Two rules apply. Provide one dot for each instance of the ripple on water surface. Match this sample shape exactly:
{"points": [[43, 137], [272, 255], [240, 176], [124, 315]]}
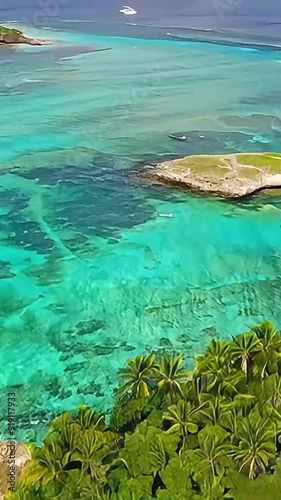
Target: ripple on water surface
{"points": [[91, 275]]}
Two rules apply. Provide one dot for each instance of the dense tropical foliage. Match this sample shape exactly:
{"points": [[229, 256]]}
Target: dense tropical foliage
{"points": [[211, 434]]}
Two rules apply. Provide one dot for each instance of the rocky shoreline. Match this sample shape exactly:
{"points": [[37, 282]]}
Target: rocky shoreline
{"points": [[15, 37], [13, 458], [225, 176]]}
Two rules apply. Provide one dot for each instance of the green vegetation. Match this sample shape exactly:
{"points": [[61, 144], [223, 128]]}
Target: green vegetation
{"points": [[211, 434], [7, 31], [228, 176], [8, 35], [219, 165], [263, 160]]}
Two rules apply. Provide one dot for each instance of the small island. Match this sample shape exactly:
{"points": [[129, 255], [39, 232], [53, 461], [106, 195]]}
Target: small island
{"points": [[10, 36], [227, 176]]}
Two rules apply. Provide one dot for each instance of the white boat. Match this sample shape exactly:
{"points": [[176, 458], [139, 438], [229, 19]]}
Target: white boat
{"points": [[128, 11], [166, 215]]}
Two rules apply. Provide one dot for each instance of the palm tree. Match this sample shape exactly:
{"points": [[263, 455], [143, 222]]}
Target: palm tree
{"points": [[217, 375], [256, 444], [218, 349], [271, 393], [232, 413], [181, 418], [87, 418], [267, 358], [213, 409], [243, 348], [171, 375], [48, 464], [230, 422], [92, 490], [216, 355], [206, 459], [92, 448], [138, 376], [64, 431]]}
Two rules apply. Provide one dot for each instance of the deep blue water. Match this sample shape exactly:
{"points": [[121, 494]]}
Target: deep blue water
{"points": [[256, 17]]}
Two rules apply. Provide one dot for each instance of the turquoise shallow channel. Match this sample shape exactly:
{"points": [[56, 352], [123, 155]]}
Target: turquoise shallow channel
{"points": [[90, 274]]}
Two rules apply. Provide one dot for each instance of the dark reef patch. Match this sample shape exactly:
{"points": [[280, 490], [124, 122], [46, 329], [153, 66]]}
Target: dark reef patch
{"points": [[46, 274], [221, 142], [74, 204], [87, 327], [254, 121], [5, 271]]}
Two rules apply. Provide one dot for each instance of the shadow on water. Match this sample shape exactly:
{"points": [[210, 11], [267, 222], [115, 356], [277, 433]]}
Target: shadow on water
{"points": [[78, 318], [96, 200], [100, 197]]}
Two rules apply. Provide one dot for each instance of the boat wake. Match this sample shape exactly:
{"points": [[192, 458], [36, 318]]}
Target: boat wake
{"points": [[128, 11]]}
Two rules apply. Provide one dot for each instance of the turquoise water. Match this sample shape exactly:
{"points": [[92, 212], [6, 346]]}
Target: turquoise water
{"points": [[90, 274]]}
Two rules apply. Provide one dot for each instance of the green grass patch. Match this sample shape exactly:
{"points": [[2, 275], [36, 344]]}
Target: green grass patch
{"points": [[10, 33], [220, 165], [264, 160]]}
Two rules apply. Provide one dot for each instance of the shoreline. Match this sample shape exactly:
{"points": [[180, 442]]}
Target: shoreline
{"points": [[14, 37], [226, 38], [231, 176]]}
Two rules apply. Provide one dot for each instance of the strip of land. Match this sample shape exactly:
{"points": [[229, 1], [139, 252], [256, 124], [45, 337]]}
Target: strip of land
{"points": [[227, 176], [14, 37]]}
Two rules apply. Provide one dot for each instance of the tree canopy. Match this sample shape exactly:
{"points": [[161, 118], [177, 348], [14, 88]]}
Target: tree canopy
{"points": [[210, 434]]}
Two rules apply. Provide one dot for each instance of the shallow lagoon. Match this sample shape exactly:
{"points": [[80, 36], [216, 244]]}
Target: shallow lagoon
{"points": [[90, 274]]}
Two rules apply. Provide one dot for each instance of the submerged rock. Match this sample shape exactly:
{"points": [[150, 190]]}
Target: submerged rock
{"points": [[14, 37], [49, 273], [129, 348], [210, 330], [5, 271], [89, 326], [165, 343], [75, 367], [53, 387], [92, 388], [103, 350], [227, 176]]}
